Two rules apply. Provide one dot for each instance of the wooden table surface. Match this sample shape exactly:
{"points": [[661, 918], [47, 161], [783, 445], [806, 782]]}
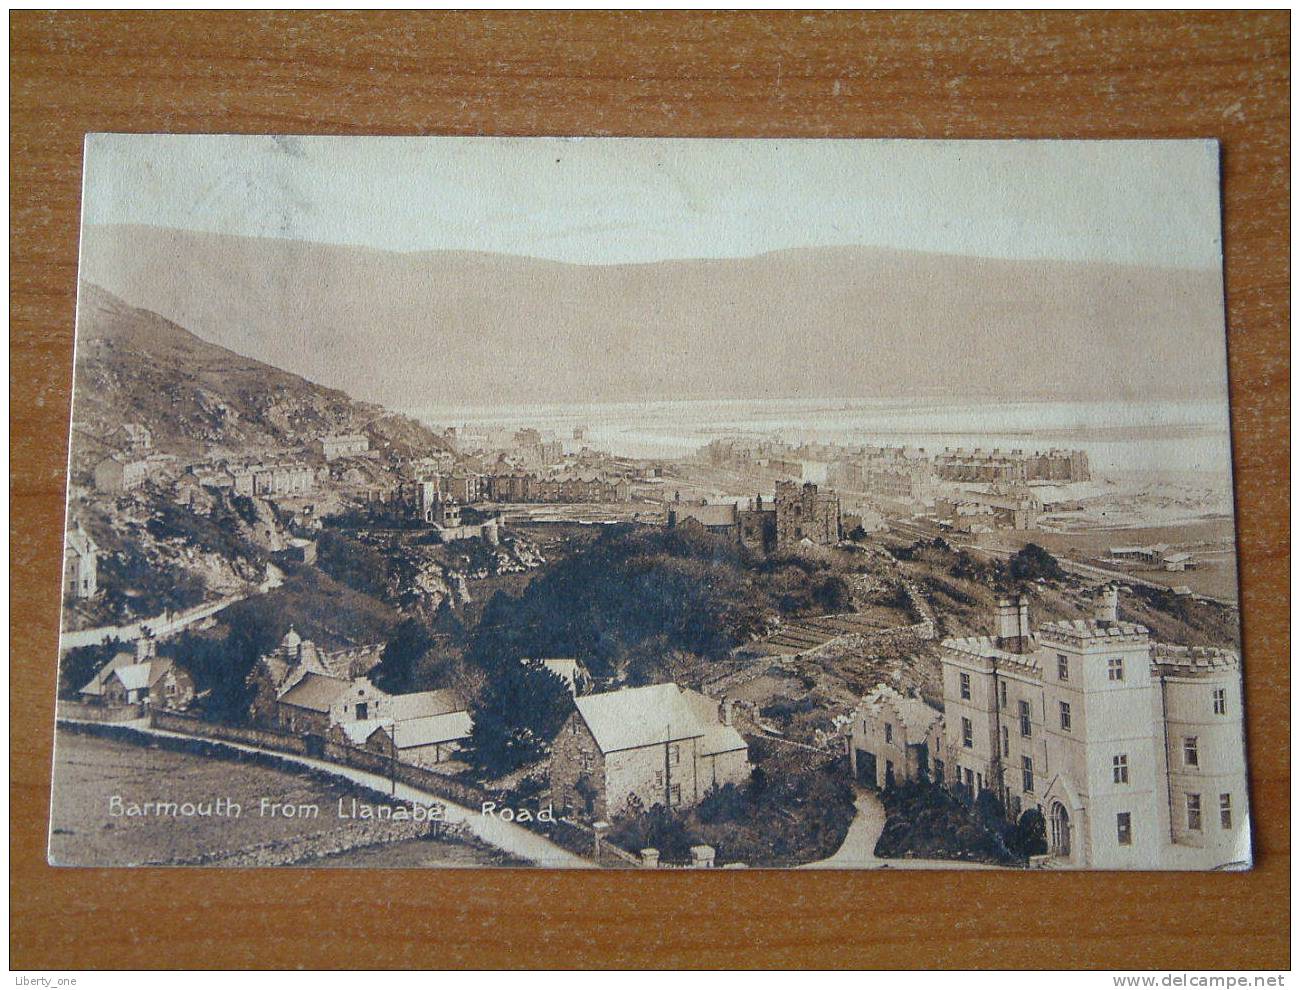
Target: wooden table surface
{"points": [[1116, 75]]}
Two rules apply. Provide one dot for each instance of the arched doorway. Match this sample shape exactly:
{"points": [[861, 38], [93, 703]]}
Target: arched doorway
{"points": [[1060, 831]]}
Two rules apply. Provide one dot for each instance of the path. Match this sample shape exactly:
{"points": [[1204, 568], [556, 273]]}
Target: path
{"points": [[858, 850], [506, 836], [167, 623]]}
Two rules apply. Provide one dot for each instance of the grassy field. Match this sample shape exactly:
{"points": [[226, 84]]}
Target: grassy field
{"points": [[89, 771]]}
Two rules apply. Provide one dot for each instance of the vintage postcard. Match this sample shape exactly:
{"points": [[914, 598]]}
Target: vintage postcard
{"points": [[650, 504]]}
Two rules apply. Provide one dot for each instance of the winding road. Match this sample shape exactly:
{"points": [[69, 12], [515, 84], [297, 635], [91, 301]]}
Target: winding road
{"points": [[858, 850]]}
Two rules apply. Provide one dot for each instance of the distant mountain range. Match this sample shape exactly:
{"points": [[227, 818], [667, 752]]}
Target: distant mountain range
{"points": [[134, 366], [411, 330]]}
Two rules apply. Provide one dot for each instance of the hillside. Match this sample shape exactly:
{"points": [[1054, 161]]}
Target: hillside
{"points": [[134, 366], [414, 329]]}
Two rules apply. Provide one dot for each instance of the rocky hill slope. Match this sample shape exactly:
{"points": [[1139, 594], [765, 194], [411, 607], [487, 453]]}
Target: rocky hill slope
{"points": [[196, 398]]}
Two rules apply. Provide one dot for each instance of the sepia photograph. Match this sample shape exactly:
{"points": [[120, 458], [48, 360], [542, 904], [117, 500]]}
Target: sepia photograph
{"points": [[650, 504]]}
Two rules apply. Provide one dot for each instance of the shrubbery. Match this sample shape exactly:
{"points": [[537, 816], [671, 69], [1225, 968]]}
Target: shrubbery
{"points": [[695, 593], [925, 821]]}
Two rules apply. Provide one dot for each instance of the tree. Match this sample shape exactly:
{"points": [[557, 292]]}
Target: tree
{"points": [[397, 670], [1030, 836], [81, 663], [1032, 563], [518, 714]]}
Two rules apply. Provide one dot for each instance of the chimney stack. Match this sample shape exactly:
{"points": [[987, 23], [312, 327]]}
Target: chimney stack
{"points": [[1008, 624], [1107, 612], [727, 705]]}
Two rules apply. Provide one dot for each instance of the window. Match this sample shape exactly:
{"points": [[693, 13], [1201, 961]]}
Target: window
{"points": [[1002, 694], [965, 687], [1027, 774], [362, 710], [1065, 716], [889, 733], [1062, 667], [1194, 812], [675, 794], [1191, 752], [938, 771], [968, 777], [967, 734], [1119, 768], [1115, 668], [1024, 719], [1220, 701], [865, 730], [1225, 810], [675, 754], [659, 778], [1124, 828], [1006, 742]]}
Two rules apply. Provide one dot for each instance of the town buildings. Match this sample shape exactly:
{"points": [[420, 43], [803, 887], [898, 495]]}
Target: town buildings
{"points": [[341, 445], [141, 677], [80, 564], [1133, 751], [978, 465], [892, 738], [1013, 507], [424, 728], [751, 524], [625, 751], [302, 689], [518, 485], [805, 512], [120, 473]]}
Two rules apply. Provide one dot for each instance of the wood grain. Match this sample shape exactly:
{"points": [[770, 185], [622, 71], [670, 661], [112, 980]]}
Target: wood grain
{"points": [[1124, 75]]}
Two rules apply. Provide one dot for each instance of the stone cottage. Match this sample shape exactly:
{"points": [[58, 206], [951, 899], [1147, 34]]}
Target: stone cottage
{"points": [[622, 752]]}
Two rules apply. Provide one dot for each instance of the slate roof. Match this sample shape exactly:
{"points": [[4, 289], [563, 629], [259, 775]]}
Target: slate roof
{"points": [[635, 717], [315, 692], [359, 731], [721, 739], [421, 704], [414, 732], [96, 685], [135, 677], [706, 515]]}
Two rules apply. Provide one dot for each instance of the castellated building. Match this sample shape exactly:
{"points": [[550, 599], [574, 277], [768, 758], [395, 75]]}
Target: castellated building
{"points": [[1133, 751], [803, 512]]}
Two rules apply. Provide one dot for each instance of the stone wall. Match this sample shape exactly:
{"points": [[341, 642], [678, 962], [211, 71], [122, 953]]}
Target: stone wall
{"points": [[81, 711], [302, 848], [191, 726]]}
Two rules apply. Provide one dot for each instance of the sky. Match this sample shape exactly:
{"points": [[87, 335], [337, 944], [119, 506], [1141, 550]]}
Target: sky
{"points": [[627, 200]]}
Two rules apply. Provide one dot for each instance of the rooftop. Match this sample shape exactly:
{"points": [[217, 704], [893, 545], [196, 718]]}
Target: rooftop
{"points": [[1092, 629], [635, 717], [917, 716], [315, 692]]}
